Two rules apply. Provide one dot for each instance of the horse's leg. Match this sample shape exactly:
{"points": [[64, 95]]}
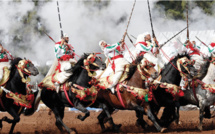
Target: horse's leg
{"points": [[101, 120], [15, 120], [109, 110], [58, 115], [201, 115], [81, 108], [151, 117], [207, 112], [140, 120], [177, 104]]}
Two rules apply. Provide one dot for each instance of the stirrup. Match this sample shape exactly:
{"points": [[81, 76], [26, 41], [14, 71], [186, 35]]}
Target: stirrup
{"points": [[57, 86]]}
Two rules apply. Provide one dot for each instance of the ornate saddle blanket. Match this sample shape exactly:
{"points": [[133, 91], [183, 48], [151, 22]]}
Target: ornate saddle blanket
{"points": [[5, 78], [48, 82], [139, 93], [84, 94], [20, 99], [106, 82]]}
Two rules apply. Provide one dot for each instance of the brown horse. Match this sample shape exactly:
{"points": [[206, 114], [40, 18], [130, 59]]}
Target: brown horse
{"points": [[131, 96]]}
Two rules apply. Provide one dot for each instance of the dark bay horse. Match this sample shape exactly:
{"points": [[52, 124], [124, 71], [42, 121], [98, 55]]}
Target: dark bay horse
{"points": [[130, 101], [20, 70], [58, 101], [171, 75]]}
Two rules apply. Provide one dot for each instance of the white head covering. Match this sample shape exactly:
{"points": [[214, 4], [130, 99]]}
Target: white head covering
{"points": [[65, 35], [100, 44], [141, 37]]}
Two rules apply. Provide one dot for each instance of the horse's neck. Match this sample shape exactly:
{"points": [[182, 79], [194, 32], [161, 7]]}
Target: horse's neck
{"points": [[204, 68], [172, 76], [15, 84], [210, 76], [83, 78], [136, 80]]}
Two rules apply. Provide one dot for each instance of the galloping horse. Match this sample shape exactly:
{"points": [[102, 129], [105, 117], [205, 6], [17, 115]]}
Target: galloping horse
{"points": [[57, 102], [199, 94], [173, 75], [127, 98], [19, 72]]}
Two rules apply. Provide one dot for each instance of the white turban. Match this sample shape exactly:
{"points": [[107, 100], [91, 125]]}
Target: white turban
{"points": [[65, 35], [100, 44], [141, 37]]}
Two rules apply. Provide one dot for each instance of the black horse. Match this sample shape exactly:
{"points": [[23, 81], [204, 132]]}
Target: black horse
{"points": [[170, 75], [20, 70], [58, 101]]}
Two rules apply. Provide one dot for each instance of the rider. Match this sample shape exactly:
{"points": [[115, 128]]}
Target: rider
{"points": [[115, 57], [5, 56], [194, 52], [65, 54], [145, 46], [211, 46]]}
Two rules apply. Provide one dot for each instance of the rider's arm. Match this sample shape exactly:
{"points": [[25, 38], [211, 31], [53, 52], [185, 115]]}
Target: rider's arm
{"points": [[58, 51], [144, 48], [112, 47]]}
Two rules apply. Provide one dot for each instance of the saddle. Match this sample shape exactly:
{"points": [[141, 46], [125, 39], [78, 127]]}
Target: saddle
{"points": [[107, 81], [84, 94], [48, 82]]}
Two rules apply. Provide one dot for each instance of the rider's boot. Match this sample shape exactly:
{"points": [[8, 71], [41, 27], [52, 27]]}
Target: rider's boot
{"points": [[57, 86]]}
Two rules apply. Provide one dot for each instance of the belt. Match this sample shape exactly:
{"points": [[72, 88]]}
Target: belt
{"points": [[116, 57]]}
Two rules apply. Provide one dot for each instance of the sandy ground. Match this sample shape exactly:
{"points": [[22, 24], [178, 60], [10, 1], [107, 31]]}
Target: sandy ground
{"points": [[42, 123]]}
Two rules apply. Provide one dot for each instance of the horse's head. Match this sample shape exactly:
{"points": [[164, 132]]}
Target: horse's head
{"points": [[27, 67], [186, 67], [94, 62], [147, 69]]}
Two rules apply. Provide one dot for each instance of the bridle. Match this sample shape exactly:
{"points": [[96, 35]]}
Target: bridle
{"points": [[90, 61], [142, 68], [22, 69], [184, 62]]}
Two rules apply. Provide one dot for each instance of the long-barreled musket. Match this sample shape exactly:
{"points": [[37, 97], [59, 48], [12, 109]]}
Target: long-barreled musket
{"points": [[187, 22], [172, 38], [133, 36], [59, 20], [130, 40], [48, 36], [150, 16], [123, 38], [201, 41]]}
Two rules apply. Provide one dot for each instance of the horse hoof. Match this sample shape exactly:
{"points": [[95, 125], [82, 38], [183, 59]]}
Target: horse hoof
{"points": [[73, 132], [200, 128], [179, 122], [163, 130], [117, 128], [79, 116]]}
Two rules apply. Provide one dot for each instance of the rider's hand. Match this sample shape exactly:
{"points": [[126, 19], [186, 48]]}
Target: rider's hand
{"points": [[62, 41]]}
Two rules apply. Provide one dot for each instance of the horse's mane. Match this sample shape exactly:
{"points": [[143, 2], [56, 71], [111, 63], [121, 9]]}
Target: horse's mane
{"points": [[168, 66], [13, 64], [133, 66], [78, 67]]}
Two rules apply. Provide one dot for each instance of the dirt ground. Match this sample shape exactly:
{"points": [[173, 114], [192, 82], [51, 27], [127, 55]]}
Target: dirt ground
{"points": [[42, 123]]}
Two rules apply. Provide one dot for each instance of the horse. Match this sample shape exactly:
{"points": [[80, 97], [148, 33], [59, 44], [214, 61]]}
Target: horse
{"points": [[18, 77], [171, 73], [127, 100], [197, 95], [82, 74]]}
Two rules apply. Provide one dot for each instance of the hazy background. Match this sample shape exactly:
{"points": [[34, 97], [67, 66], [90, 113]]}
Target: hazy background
{"points": [[88, 22]]}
